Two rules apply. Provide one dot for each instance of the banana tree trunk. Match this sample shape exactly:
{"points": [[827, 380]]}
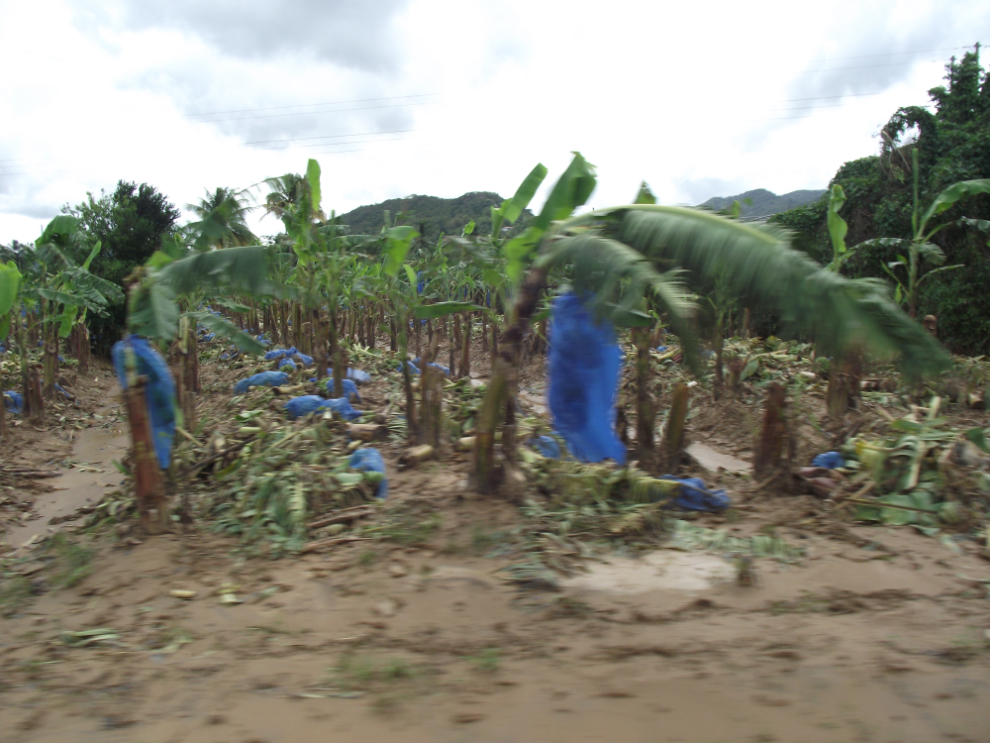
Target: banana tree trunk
{"points": [[774, 440], [392, 342], [719, 374], [645, 414], [844, 375], [3, 400], [34, 404], [494, 343], [186, 373], [19, 337], [148, 484], [412, 420], [320, 346], [673, 439], [468, 321], [484, 332], [284, 320], [455, 344], [297, 324], [432, 395], [419, 349], [81, 346], [339, 371], [501, 396], [50, 365]]}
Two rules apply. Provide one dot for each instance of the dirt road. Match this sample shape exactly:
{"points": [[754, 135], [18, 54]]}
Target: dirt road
{"points": [[879, 634], [879, 644]]}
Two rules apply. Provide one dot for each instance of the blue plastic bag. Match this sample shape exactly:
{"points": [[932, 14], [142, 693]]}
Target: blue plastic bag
{"points": [[584, 368], [370, 460], [694, 496], [418, 363], [413, 369], [209, 337], [546, 446], [13, 402], [350, 389], [306, 404], [361, 377], [306, 360], [264, 379], [830, 460], [287, 363], [159, 392]]}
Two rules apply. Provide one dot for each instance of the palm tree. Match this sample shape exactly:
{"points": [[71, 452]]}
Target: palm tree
{"points": [[221, 222], [286, 193], [612, 256]]}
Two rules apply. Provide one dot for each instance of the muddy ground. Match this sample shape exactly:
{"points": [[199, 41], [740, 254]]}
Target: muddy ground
{"points": [[878, 634]]}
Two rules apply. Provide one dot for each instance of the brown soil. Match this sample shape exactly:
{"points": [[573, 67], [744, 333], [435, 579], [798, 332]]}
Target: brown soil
{"points": [[880, 634]]}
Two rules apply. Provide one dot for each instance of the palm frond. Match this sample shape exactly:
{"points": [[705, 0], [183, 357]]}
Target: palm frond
{"points": [[836, 312]]}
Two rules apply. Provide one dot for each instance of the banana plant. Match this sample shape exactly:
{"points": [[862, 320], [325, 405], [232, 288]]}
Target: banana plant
{"points": [[613, 256], [10, 279], [498, 261], [173, 277], [61, 245], [906, 271], [402, 286]]}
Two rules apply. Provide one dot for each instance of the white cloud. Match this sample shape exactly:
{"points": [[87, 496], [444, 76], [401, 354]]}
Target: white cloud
{"points": [[688, 97]]}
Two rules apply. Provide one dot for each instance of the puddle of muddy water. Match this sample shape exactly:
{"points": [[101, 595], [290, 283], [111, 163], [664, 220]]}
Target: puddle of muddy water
{"points": [[665, 570], [76, 488]]}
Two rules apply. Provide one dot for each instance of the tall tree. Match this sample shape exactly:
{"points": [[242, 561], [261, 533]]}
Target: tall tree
{"points": [[221, 223], [130, 223], [886, 195]]}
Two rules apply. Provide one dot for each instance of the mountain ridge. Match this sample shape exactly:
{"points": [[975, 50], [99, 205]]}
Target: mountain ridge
{"points": [[765, 202], [430, 215]]}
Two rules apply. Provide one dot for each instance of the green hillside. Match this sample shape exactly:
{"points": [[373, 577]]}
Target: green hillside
{"points": [[430, 215], [765, 203]]}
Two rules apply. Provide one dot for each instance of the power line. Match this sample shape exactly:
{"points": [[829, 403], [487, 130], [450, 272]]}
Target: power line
{"points": [[893, 54], [868, 66], [807, 116], [329, 136], [309, 105], [316, 113], [340, 144]]}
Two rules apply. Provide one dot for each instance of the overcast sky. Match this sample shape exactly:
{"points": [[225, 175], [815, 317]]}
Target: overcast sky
{"points": [[440, 97]]}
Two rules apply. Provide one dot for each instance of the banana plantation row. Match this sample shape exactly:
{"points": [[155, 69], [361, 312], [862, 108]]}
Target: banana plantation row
{"points": [[321, 290]]}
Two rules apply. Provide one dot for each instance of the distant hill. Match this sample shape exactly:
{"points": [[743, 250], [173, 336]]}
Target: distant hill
{"points": [[765, 202], [431, 215]]}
